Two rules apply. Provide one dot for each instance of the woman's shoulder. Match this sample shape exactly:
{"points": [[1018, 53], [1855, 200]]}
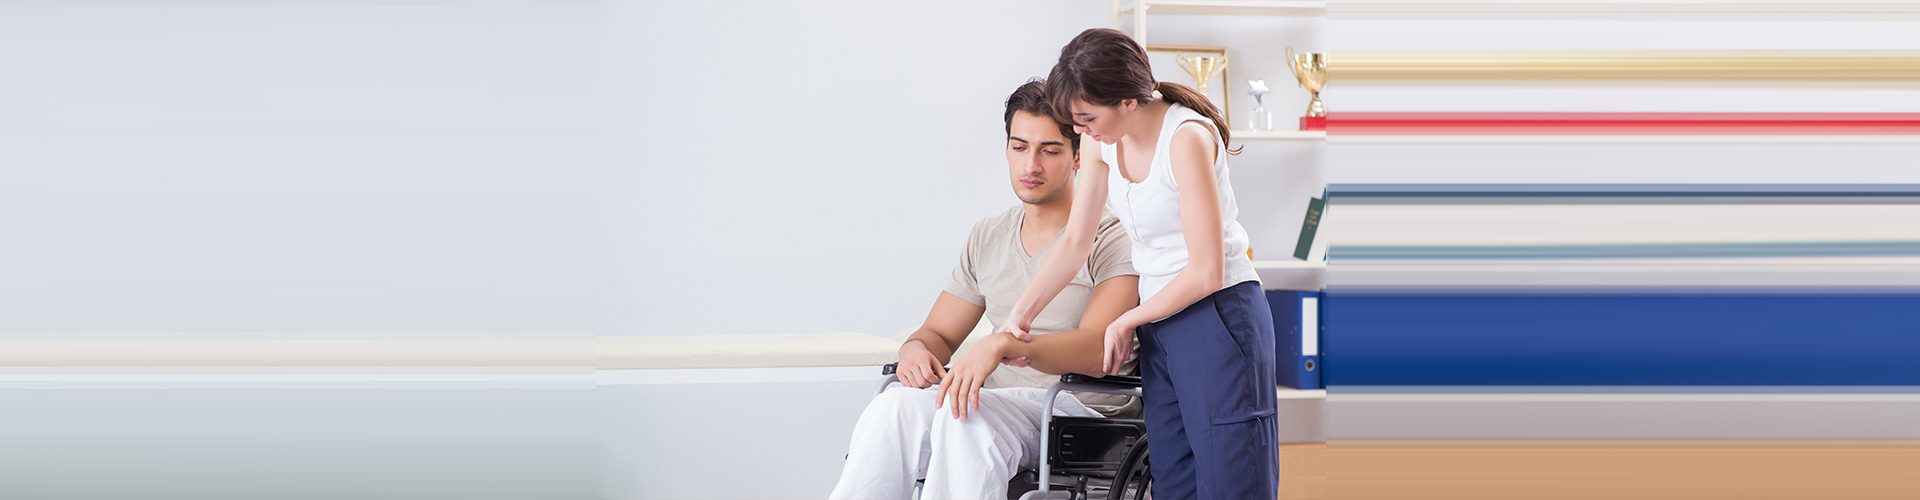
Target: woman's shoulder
{"points": [[1177, 113], [1192, 134], [1192, 145], [1178, 120], [1192, 137]]}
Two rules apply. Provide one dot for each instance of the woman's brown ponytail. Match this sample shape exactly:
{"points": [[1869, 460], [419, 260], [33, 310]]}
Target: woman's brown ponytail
{"points": [[1104, 66]]}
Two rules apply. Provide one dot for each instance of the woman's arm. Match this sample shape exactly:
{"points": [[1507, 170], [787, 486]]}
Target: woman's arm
{"points": [[1066, 258], [1192, 153], [1078, 351]]}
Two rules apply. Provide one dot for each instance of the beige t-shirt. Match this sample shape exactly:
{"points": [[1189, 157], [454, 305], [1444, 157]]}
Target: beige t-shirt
{"points": [[995, 269]]}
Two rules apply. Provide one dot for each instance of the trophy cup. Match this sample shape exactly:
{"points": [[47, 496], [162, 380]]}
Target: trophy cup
{"points": [[1202, 68], [1311, 70], [1262, 120]]}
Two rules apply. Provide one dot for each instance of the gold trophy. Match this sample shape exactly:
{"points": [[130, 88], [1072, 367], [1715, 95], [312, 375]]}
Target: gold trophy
{"points": [[1311, 70], [1202, 68]]}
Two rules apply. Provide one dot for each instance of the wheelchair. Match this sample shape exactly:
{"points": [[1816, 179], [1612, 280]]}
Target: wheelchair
{"points": [[1084, 456]]}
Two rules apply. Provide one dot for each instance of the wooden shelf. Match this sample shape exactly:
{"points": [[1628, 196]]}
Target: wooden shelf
{"points": [[1228, 7], [1141, 9], [1279, 135], [1290, 264], [1302, 275], [1292, 393]]}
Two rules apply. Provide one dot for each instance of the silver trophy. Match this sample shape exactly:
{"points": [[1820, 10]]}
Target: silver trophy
{"points": [[1261, 120]]}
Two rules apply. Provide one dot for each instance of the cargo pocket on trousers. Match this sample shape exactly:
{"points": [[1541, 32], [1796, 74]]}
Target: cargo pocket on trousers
{"points": [[1234, 419], [1244, 462]]}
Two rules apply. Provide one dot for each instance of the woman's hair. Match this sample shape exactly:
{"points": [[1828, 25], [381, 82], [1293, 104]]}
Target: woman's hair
{"points": [[1104, 66], [1032, 98]]}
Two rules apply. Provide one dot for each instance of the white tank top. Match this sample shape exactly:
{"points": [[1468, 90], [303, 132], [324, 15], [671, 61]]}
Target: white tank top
{"points": [[1150, 210]]}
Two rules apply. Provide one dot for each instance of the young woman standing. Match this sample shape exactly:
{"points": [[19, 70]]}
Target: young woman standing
{"points": [[1155, 154]]}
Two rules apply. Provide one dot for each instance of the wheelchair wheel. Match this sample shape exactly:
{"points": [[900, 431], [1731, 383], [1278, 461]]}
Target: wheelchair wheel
{"points": [[1132, 477]]}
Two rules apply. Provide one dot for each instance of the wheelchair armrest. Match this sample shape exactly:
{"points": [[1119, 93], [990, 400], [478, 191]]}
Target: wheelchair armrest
{"points": [[1090, 384], [1117, 381], [889, 368]]}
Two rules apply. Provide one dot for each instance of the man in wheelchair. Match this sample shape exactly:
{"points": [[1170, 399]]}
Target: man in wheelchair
{"points": [[969, 429]]}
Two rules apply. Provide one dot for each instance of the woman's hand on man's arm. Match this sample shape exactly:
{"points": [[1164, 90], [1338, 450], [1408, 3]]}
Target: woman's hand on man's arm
{"points": [[1080, 350]]}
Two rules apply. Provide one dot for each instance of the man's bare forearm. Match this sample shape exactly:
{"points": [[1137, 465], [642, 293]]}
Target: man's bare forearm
{"points": [[1074, 351], [933, 343]]}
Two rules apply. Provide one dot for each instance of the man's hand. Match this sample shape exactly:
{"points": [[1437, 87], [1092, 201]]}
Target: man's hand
{"points": [[1119, 345], [962, 385], [918, 368]]}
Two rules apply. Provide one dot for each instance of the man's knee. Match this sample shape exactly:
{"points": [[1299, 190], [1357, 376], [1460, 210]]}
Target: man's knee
{"points": [[901, 398], [1000, 406], [993, 433]]}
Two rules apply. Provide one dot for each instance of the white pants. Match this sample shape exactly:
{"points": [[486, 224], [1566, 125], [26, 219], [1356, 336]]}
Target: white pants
{"points": [[902, 437]]}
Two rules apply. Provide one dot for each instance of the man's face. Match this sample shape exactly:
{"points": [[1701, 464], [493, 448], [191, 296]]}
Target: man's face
{"points": [[1039, 158]]}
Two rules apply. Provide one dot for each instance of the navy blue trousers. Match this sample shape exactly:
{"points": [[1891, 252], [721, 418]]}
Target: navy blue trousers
{"points": [[1207, 377]]}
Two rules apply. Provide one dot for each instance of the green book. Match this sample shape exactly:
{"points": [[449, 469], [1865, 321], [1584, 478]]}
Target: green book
{"points": [[1307, 227]]}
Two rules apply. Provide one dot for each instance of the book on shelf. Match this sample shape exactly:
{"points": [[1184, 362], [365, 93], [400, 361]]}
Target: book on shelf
{"points": [[1304, 248]]}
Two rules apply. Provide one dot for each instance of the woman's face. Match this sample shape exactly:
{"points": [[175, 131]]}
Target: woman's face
{"points": [[1105, 123]]}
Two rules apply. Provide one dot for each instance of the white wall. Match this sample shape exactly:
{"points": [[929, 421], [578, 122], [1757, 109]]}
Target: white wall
{"points": [[621, 167], [806, 167], [802, 167], [302, 166]]}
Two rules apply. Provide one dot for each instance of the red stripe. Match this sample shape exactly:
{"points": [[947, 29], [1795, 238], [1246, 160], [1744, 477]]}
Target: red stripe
{"points": [[1623, 123]]}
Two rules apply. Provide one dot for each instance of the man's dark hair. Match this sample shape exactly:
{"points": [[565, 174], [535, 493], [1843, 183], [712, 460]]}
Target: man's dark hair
{"points": [[1032, 98]]}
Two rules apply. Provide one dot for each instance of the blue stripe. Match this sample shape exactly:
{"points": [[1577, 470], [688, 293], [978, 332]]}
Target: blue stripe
{"points": [[1611, 338]]}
